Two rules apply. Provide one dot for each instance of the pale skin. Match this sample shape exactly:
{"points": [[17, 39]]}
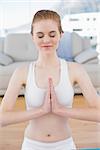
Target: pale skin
{"points": [[51, 117]]}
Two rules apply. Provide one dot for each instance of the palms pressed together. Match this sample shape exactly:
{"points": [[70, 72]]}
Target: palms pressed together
{"points": [[51, 103]]}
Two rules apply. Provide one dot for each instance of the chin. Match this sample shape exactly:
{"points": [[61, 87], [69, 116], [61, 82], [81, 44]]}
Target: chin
{"points": [[47, 50]]}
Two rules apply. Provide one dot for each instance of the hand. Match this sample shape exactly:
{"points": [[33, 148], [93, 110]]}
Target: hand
{"points": [[57, 108], [46, 107]]}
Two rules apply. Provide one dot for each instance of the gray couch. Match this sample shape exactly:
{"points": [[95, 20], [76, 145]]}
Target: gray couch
{"points": [[16, 49]]}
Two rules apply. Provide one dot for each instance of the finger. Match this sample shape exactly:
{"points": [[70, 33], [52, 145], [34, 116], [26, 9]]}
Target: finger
{"points": [[48, 93], [50, 81], [52, 86], [53, 93], [48, 87], [47, 96], [49, 84]]}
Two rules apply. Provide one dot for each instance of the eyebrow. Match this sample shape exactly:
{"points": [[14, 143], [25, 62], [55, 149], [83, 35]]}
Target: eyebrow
{"points": [[52, 32], [49, 32], [39, 33]]}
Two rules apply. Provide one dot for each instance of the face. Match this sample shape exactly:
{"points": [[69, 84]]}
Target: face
{"points": [[46, 35]]}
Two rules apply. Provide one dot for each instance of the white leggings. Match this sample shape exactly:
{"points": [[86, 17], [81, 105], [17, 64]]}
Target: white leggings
{"points": [[66, 144]]}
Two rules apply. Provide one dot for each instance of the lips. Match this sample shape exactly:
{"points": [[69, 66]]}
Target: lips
{"points": [[46, 46]]}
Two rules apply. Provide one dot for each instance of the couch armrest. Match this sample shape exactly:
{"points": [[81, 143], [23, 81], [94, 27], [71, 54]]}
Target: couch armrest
{"points": [[5, 59], [85, 56], [93, 61]]}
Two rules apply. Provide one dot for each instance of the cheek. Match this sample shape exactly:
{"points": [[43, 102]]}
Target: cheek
{"points": [[56, 43], [36, 41]]}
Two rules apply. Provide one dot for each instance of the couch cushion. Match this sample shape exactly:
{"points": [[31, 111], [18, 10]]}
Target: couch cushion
{"points": [[1, 44], [5, 59], [86, 44], [65, 47], [93, 61], [94, 73], [6, 73], [77, 42], [20, 47], [86, 55]]}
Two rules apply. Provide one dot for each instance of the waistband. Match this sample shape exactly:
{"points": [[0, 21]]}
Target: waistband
{"points": [[49, 144]]}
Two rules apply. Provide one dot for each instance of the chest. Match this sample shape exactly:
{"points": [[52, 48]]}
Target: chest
{"points": [[37, 84], [42, 76]]}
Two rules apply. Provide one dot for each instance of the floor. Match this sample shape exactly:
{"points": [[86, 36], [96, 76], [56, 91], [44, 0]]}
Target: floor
{"points": [[86, 134]]}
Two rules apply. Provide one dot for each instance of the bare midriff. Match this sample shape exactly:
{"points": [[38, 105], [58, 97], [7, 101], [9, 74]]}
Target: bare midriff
{"points": [[48, 128]]}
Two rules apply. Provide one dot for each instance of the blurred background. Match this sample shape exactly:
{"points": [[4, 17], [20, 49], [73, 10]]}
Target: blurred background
{"points": [[81, 16]]}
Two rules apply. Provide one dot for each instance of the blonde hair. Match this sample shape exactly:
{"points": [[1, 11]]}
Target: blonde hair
{"points": [[47, 14]]}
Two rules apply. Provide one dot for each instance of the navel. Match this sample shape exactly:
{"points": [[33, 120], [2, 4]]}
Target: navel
{"points": [[48, 135]]}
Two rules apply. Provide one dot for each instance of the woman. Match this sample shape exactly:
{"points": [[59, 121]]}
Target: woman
{"points": [[49, 91]]}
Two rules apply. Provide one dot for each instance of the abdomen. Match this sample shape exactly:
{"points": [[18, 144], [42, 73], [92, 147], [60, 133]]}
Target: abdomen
{"points": [[48, 128]]}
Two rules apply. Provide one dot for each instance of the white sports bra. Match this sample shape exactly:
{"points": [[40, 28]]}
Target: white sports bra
{"points": [[34, 96]]}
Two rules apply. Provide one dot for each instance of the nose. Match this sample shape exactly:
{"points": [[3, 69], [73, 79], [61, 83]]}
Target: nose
{"points": [[46, 39]]}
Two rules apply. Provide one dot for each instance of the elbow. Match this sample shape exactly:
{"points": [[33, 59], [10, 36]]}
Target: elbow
{"points": [[97, 114], [1, 125], [1, 120]]}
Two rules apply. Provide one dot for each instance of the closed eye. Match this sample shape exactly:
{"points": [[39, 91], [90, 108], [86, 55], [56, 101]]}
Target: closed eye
{"points": [[40, 35], [52, 34]]}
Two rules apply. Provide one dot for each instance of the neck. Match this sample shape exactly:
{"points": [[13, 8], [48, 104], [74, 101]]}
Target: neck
{"points": [[47, 60]]}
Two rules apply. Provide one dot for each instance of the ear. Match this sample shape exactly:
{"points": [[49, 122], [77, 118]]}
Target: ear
{"points": [[61, 34]]}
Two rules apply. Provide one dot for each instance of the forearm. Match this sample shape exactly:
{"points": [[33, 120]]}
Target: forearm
{"points": [[88, 114], [11, 117]]}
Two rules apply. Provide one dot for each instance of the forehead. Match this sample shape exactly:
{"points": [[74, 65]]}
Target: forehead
{"points": [[45, 25]]}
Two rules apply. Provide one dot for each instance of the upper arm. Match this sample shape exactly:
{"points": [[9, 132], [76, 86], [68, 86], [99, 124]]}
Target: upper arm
{"points": [[14, 86], [88, 90]]}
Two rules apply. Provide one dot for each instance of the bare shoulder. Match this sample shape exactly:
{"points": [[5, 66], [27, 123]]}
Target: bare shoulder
{"points": [[75, 69], [22, 72], [18, 78], [80, 76], [74, 65]]}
